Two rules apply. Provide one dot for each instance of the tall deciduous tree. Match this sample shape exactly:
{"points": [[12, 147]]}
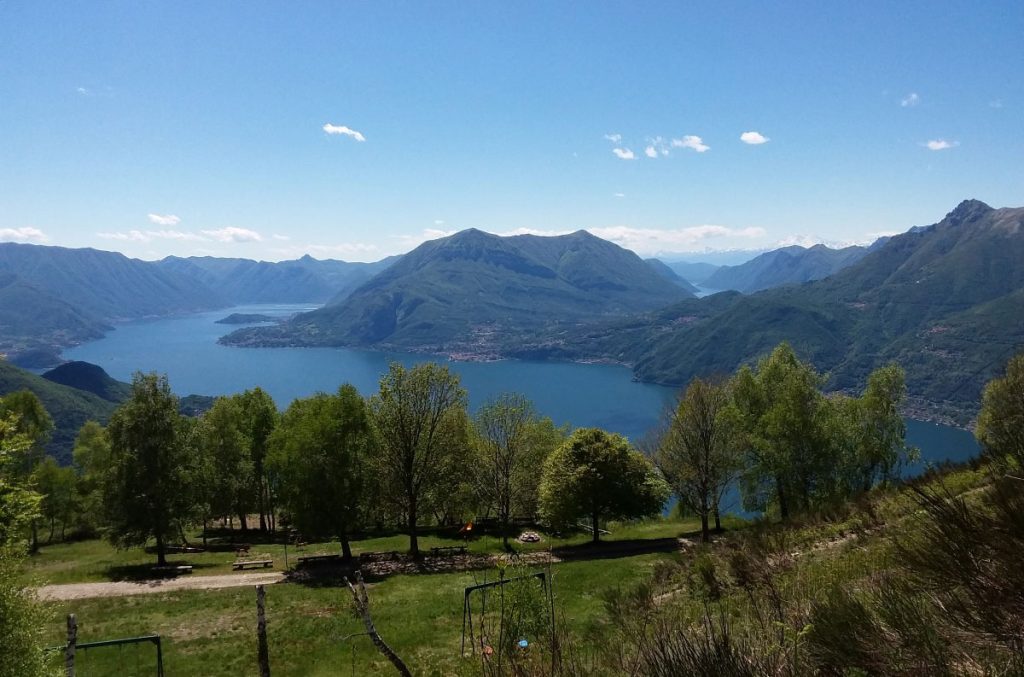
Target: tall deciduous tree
{"points": [[879, 433], [34, 423], [597, 475], [512, 443], [321, 453], [91, 456], [1001, 422], [259, 416], [784, 420], [145, 492], [58, 487], [21, 618], [698, 452], [419, 415], [225, 466]]}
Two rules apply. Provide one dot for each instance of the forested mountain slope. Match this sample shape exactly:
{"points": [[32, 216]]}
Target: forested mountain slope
{"points": [[462, 292], [946, 302], [304, 280], [787, 265]]}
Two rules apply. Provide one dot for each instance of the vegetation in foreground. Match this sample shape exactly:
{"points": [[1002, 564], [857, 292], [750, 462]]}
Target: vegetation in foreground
{"points": [[931, 567]]}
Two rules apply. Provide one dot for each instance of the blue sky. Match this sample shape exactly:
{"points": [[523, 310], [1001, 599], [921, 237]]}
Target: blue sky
{"points": [[356, 130]]}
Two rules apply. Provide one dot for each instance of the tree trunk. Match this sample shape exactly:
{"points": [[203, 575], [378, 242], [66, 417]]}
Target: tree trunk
{"points": [[262, 504], [783, 504], [243, 521], [53, 525], [414, 544], [346, 547], [204, 532], [718, 519], [35, 537], [705, 534], [597, 533], [161, 551]]}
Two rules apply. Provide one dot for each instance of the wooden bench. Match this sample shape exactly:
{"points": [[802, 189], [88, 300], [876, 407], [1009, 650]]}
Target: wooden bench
{"points": [[252, 564], [242, 549], [174, 568], [448, 551], [317, 559]]}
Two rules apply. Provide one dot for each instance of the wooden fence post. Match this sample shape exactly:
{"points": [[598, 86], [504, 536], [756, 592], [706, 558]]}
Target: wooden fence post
{"points": [[69, 650], [261, 632]]}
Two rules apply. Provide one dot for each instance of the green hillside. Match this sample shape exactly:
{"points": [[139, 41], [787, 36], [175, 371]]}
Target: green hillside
{"points": [[107, 285], [69, 407], [300, 281], [32, 318], [90, 378], [946, 302], [464, 292], [787, 265], [666, 271]]}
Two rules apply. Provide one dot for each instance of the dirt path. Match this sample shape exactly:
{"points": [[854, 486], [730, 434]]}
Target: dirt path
{"points": [[123, 588]]}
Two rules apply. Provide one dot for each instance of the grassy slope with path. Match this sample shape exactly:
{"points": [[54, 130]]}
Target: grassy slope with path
{"points": [[212, 632]]}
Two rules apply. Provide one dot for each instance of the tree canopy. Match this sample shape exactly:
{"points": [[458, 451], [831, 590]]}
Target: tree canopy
{"points": [[598, 475], [419, 415], [698, 454], [1001, 422], [145, 493], [321, 455]]}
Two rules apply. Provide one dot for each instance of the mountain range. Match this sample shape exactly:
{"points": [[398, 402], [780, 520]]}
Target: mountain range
{"points": [[54, 297], [786, 265], [945, 301], [463, 293], [304, 280]]}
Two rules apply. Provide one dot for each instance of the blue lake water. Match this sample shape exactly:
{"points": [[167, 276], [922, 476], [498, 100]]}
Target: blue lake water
{"points": [[186, 349]]}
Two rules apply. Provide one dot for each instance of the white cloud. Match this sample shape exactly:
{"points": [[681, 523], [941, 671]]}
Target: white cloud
{"points": [[692, 142], [618, 195], [149, 235], [754, 138], [940, 144], [83, 91], [176, 235], [130, 236], [650, 241], [164, 219], [344, 249], [614, 138], [233, 234], [651, 152], [408, 242], [624, 153], [280, 237], [438, 222], [23, 234], [995, 103], [909, 100], [334, 130]]}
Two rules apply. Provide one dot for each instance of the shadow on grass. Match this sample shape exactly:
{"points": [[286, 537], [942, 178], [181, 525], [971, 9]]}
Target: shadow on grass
{"points": [[145, 572]]}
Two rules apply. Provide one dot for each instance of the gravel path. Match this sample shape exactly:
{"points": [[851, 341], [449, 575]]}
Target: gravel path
{"points": [[187, 582]]}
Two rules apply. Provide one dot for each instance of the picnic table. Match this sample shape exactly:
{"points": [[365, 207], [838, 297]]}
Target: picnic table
{"points": [[318, 559], [448, 550], [252, 564]]}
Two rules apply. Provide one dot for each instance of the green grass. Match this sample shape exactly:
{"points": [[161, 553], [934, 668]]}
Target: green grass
{"points": [[420, 616], [96, 560]]}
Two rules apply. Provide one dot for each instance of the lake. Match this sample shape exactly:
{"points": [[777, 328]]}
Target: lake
{"points": [[186, 349]]}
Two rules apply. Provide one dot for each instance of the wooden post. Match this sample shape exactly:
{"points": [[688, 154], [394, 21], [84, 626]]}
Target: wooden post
{"points": [[69, 650], [261, 632]]}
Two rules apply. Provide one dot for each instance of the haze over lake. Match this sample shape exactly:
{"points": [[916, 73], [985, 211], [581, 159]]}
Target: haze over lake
{"points": [[186, 349]]}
